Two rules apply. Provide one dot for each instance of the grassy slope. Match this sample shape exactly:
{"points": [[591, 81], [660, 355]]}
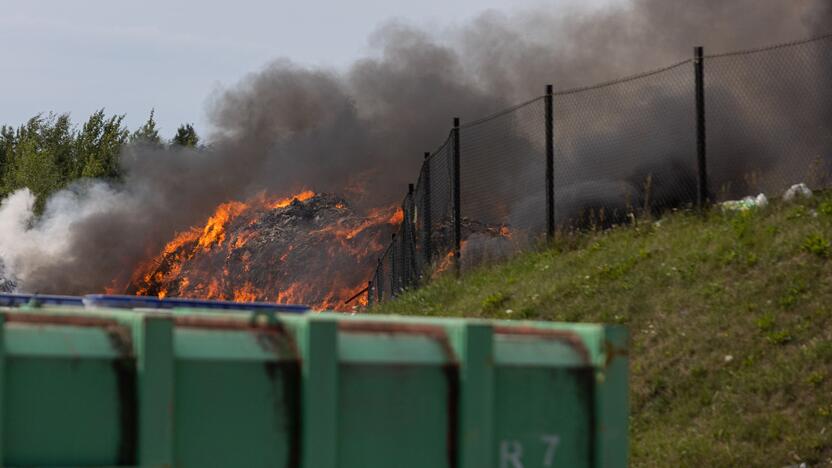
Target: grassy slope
{"points": [[731, 323]]}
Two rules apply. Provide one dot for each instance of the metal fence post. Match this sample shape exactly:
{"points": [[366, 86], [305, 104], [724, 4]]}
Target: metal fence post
{"points": [[550, 164], [702, 195], [456, 194], [426, 216], [369, 293]]}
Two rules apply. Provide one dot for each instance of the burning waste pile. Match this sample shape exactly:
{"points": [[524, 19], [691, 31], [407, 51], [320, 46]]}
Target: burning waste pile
{"points": [[309, 248]]}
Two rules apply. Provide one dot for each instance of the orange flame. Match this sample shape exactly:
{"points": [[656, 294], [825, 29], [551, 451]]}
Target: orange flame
{"points": [[214, 230], [397, 217], [247, 293], [284, 202]]}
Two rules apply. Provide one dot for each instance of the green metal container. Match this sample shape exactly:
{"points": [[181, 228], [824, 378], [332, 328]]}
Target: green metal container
{"points": [[194, 388]]}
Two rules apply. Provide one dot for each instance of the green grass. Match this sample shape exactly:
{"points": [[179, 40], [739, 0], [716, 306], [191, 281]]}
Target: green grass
{"points": [[730, 317]]}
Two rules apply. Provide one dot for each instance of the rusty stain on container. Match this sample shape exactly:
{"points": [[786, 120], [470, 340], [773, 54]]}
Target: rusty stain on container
{"points": [[290, 404], [613, 352], [225, 323], [431, 331], [125, 370], [571, 339], [270, 336], [74, 320]]}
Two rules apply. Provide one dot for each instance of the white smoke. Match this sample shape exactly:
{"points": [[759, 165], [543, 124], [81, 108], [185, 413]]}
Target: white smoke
{"points": [[31, 243]]}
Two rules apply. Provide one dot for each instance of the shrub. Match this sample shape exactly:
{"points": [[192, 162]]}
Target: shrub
{"points": [[818, 245]]}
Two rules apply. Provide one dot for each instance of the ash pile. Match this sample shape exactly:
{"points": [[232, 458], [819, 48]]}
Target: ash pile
{"points": [[317, 251]]}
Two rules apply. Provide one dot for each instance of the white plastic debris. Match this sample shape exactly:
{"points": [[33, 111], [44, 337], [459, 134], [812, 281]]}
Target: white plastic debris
{"points": [[797, 190], [747, 203], [761, 200]]}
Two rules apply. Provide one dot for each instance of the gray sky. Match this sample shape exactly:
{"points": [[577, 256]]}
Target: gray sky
{"points": [[129, 57]]}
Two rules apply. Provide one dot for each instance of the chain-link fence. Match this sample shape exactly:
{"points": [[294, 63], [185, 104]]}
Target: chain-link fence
{"points": [[769, 118], [502, 184], [702, 130], [625, 146]]}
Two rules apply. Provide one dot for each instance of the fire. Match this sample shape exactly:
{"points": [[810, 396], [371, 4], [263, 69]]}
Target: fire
{"points": [[397, 217], [307, 248], [390, 216], [246, 293], [443, 265], [214, 230], [284, 202]]}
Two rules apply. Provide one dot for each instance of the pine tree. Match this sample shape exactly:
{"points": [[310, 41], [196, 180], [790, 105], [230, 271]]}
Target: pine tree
{"points": [[34, 164], [99, 145], [58, 139], [147, 134], [7, 143], [186, 136]]}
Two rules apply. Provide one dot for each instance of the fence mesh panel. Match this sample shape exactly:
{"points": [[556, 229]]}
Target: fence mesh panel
{"points": [[408, 244], [441, 167], [624, 146], [502, 182], [420, 205], [769, 119], [387, 273]]}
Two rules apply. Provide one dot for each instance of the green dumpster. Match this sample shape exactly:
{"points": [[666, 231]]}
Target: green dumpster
{"points": [[196, 388]]}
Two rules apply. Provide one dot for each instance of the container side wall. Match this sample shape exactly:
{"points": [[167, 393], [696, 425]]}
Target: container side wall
{"points": [[394, 416]]}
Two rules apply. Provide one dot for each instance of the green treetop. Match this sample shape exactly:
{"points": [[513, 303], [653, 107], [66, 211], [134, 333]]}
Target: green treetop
{"points": [[186, 136]]}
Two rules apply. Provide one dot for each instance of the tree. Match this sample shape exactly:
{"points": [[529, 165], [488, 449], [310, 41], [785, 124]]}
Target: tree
{"points": [[7, 143], [34, 163], [58, 140], [147, 134], [99, 145], [186, 136]]}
